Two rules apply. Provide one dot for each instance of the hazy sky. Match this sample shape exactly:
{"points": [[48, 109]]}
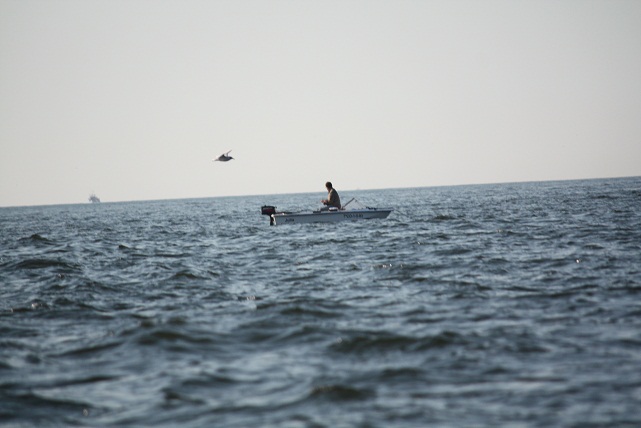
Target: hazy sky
{"points": [[132, 99]]}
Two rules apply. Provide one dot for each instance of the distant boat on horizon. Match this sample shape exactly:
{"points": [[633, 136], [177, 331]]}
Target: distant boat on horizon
{"points": [[94, 199]]}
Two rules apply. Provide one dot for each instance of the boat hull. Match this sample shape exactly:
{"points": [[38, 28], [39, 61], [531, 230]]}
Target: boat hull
{"points": [[330, 216]]}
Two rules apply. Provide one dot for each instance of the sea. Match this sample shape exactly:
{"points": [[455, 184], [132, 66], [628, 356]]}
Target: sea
{"points": [[514, 305]]}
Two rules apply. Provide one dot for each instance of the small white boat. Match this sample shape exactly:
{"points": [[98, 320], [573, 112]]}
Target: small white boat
{"points": [[94, 199], [330, 215]]}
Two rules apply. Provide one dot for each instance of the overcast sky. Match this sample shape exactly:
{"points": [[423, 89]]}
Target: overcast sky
{"points": [[132, 99]]}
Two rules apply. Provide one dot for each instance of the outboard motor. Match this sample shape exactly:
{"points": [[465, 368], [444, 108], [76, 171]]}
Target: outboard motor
{"points": [[268, 210]]}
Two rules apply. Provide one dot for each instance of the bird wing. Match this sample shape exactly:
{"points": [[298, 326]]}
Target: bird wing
{"points": [[221, 157]]}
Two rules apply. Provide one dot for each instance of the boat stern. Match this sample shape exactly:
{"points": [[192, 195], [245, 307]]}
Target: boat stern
{"points": [[268, 210]]}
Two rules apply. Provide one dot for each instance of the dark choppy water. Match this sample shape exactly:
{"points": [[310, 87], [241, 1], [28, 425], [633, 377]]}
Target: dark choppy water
{"points": [[514, 304]]}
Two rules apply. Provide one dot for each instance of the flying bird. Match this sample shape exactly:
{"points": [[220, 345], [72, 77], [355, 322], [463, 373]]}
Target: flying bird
{"points": [[223, 158]]}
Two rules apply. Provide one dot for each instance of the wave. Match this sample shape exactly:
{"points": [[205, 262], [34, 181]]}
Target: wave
{"points": [[58, 264], [340, 393], [43, 407], [360, 343], [36, 238]]}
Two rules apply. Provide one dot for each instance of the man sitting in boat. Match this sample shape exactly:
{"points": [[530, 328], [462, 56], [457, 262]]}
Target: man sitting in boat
{"points": [[333, 200]]}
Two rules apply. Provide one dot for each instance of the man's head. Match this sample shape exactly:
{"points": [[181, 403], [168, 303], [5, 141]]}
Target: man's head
{"points": [[328, 185]]}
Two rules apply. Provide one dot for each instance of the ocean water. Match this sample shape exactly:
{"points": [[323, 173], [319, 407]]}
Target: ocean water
{"points": [[488, 305]]}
